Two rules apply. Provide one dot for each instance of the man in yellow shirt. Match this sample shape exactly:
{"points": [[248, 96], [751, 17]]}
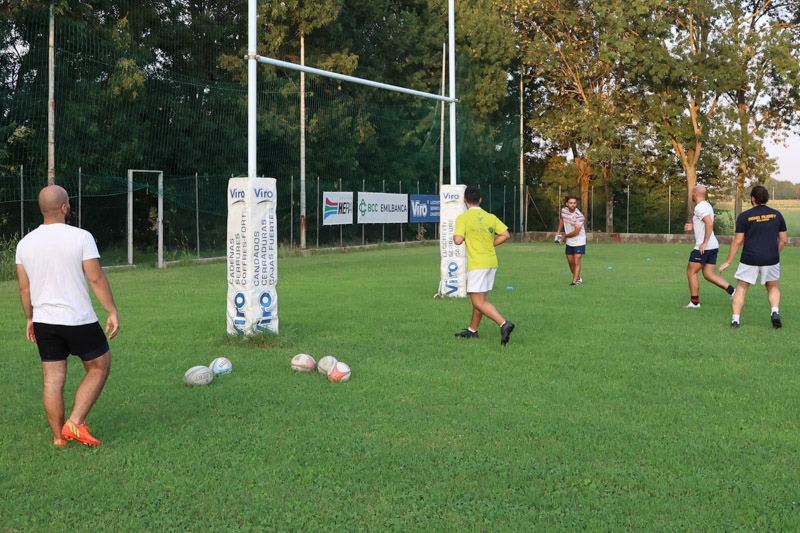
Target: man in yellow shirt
{"points": [[482, 232]]}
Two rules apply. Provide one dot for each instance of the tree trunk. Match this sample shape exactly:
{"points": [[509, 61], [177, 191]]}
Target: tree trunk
{"points": [[584, 165], [691, 181]]}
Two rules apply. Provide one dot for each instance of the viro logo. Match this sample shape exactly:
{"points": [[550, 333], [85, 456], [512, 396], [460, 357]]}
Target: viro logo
{"points": [[239, 320], [265, 304], [451, 284]]}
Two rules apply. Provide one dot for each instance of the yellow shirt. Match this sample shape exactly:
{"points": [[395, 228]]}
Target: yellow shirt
{"points": [[479, 229]]}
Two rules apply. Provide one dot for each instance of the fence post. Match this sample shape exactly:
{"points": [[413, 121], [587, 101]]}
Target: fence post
{"points": [[419, 226], [592, 210], [383, 226], [79, 197], [400, 191], [291, 213], [197, 212], [160, 220], [341, 238], [130, 217], [504, 202], [515, 203], [363, 189], [628, 211], [669, 209], [21, 201], [318, 202]]}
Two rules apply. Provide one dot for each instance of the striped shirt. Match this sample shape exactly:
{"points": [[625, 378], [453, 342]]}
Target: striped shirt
{"points": [[570, 221]]}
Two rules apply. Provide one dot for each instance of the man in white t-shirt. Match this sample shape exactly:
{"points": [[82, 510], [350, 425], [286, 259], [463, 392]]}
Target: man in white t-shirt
{"points": [[573, 221], [706, 247], [54, 262]]}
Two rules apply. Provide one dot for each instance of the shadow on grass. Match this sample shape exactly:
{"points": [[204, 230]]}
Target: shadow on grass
{"points": [[262, 339]]}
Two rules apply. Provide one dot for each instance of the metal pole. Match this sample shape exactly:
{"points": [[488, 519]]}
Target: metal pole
{"points": [[79, 197], [441, 126], [669, 209], [21, 201], [400, 190], [160, 220], [628, 214], [302, 146], [490, 198], [522, 152], [383, 226], [592, 210], [291, 213], [451, 38], [419, 226], [318, 202], [51, 101], [341, 239], [515, 208], [252, 69], [363, 189], [130, 217], [197, 211], [504, 203]]}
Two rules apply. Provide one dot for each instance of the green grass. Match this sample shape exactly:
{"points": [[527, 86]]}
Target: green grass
{"points": [[611, 409]]}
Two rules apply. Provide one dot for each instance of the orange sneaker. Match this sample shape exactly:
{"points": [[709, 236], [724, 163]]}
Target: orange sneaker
{"points": [[60, 443], [79, 432]]}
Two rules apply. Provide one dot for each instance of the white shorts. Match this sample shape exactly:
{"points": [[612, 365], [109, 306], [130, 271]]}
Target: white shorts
{"points": [[480, 280], [749, 274]]}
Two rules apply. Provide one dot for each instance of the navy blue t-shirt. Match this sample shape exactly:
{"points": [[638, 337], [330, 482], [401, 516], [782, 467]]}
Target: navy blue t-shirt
{"points": [[760, 226]]}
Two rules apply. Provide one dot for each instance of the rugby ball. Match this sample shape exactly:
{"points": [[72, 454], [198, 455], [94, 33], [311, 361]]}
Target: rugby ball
{"points": [[326, 364], [221, 365], [340, 372], [303, 362], [198, 375]]}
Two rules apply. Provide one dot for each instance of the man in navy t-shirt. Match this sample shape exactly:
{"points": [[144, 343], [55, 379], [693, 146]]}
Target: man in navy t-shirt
{"points": [[763, 232]]}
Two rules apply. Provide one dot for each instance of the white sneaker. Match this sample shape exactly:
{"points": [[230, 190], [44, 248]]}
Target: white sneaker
{"points": [[692, 306], [579, 281]]}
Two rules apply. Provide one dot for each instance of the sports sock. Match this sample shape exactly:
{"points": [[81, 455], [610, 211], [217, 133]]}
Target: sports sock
{"points": [[730, 289], [774, 310], [472, 330], [735, 318], [696, 299]]}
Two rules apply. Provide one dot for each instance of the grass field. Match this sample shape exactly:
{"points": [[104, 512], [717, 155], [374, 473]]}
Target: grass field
{"points": [[611, 409]]}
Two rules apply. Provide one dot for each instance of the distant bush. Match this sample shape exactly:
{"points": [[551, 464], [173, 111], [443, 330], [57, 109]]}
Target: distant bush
{"points": [[8, 247]]}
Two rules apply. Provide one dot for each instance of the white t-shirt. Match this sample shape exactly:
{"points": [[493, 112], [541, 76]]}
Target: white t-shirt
{"points": [[570, 221], [701, 210], [52, 256]]}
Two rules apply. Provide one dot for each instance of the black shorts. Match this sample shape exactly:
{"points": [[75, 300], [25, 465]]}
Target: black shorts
{"points": [[708, 258], [57, 342]]}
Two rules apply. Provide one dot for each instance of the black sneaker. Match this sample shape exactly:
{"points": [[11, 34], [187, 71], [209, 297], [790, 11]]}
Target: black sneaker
{"points": [[572, 284], [735, 325], [505, 332], [776, 321], [467, 334]]}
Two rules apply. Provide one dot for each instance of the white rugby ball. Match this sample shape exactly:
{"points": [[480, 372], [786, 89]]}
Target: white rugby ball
{"points": [[221, 365], [198, 375], [326, 364], [340, 372], [303, 362]]}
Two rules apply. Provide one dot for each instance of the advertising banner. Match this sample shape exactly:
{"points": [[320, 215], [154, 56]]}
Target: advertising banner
{"points": [[337, 208], [382, 208], [454, 258], [424, 208], [252, 256]]}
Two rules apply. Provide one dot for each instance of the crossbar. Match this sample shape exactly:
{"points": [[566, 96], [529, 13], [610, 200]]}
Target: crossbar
{"points": [[353, 79]]}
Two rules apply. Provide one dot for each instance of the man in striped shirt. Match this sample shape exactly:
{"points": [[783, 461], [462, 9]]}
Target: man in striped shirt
{"points": [[572, 221]]}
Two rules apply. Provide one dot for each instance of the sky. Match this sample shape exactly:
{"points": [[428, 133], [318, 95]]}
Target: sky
{"points": [[788, 158]]}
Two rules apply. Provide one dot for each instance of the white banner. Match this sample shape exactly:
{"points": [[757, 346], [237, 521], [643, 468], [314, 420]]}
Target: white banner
{"points": [[454, 258], [337, 208], [252, 256], [382, 208]]}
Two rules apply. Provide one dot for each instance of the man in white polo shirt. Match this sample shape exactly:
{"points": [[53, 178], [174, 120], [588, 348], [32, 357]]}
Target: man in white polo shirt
{"points": [[573, 222], [706, 247], [54, 262]]}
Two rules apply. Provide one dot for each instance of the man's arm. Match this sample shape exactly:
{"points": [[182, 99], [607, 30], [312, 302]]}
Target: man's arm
{"points": [[574, 232], [500, 239], [25, 297], [737, 242], [709, 230], [782, 240], [458, 239], [99, 282]]}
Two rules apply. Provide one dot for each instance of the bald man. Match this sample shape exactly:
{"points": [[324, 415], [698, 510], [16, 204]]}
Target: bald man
{"points": [[704, 255], [54, 262]]}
